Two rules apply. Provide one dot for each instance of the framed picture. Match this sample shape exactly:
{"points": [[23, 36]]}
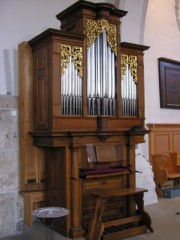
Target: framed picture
{"points": [[169, 83]]}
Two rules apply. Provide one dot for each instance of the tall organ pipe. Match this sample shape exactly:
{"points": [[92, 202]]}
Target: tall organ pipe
{"points": [[101, 77]]}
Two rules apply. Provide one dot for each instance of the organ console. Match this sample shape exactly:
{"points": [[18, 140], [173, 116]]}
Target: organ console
{"points": [[88, 110]]}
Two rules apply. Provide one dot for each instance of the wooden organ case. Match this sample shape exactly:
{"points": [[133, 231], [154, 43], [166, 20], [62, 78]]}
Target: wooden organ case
{"points": [[88, 114]]}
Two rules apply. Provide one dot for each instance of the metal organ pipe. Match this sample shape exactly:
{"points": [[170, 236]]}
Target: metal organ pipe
{"points": [[71, 90], [101, 77], [129, 94], [98, 67]]}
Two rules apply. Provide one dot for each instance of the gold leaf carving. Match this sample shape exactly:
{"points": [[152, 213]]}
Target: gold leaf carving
{"points": [[133, 67], [75, 52], [95, 27], [91, 31], [65, 56], [77, 57], [124, 62], [131, 61]]}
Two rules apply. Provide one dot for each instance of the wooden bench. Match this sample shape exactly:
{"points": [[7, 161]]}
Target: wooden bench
{"points": [[170, 166], [97, 226]]}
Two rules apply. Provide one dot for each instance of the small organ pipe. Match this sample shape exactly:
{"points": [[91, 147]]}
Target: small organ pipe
{"points": [[71, 90], [113, 75], [88, 72], [109, 71], [129, 94], [103, 64], [93, 71]]}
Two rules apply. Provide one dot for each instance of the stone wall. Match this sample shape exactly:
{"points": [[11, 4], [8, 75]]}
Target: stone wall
{"points": [[11, 202]]}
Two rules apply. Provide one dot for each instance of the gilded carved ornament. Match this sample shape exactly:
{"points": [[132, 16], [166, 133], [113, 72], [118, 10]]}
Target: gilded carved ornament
{"points": [[75, 52], [131, 61], [95, 27]]}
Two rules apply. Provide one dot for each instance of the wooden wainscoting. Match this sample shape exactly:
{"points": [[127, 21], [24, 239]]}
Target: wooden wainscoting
{"points": [[163, 139]]}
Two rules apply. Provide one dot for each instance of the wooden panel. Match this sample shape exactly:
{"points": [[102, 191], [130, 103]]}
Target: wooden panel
{"points": [[32, 200], [31, 157], [40, 84], [163, 138], [57, 177], [114, 207], [106, 153], [176, 142], [162, 143], [178, 158], [57, 183]]}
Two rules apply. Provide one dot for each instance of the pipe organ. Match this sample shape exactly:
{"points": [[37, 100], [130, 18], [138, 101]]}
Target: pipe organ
{"points": [[88, 106]]}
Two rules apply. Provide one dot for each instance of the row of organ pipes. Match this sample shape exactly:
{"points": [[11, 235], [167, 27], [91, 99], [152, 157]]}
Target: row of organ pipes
{"points": [[101, 84], [101, 78], [129, 94], [71, 90]]}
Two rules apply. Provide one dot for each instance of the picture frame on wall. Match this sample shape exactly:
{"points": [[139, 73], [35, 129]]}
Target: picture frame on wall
{"points": [[169, 83]]}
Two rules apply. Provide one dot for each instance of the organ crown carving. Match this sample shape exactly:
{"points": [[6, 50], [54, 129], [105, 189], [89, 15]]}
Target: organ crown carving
{"points": [[96, 27]]}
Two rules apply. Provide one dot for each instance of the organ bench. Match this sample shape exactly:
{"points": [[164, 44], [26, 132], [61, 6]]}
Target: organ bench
{"points": [[124, 227]]}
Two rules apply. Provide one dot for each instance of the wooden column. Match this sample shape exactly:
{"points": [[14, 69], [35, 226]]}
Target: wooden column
{"points": [[131, 161], [76, 228], [139, 199]]}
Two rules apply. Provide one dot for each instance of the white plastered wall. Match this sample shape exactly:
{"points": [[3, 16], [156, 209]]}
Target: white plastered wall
{"points": [[163, 36]]}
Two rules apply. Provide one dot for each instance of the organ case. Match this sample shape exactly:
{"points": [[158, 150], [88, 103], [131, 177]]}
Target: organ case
{"points": [[88, 112]]}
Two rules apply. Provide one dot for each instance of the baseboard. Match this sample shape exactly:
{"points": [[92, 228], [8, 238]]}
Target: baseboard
{"points": [[171, 192]]}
